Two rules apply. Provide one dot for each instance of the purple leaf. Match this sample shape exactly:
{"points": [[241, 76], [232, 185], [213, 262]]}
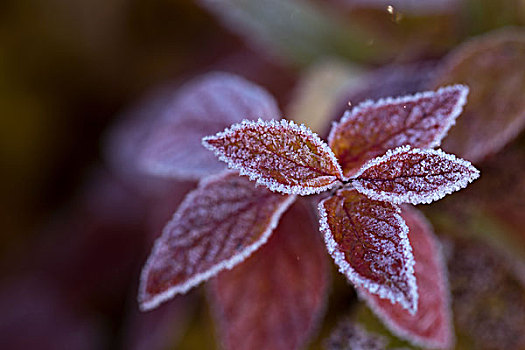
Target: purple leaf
{"points": [[372, 128], [202, 107], [368, 241], [275, 298], [431, 325], [412, 175], [216, 227], [281, 155], [127, 137]]}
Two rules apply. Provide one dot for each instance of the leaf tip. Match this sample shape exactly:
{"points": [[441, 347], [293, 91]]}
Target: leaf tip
{"points": [[405, 291], [413, 175], [146, 300], [207, 142]]}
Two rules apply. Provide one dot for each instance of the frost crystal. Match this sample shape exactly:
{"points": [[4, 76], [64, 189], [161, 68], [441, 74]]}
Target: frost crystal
{"points": [[216, 227], [370, 129], [274, 299], [412, 175], [368, 241], [202, 107], [283, 156], [431, 325]]}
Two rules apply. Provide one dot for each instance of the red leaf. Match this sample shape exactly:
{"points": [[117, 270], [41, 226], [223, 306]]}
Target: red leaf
{"points": [[217, 226], [275, 298], [202, 107], [492, 66], [412, 175], [388, 81], [281, 155], [368, 241], [372, 128], [431, 325]]}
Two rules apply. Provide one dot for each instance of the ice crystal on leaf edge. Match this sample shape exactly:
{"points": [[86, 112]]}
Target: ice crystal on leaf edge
{"points": [[351, 114], [267, 181], [446, 308], [150, 302], [354, 277], [325, 152], [412, 197]]}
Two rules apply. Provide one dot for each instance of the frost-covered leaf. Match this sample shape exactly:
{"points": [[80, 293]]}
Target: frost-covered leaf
{"points": [[161, 207], [202, 107], [350, 336], [281, 155], [275, 298], [216, 227], [412, 175], [431, 325], [393, 80], [368, 241], [492, 66], [372, 128]]}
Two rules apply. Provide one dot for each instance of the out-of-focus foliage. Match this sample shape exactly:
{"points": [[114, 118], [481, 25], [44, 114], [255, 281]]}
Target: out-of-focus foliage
{"points": [[296, 30], [492, 66], [318, 90], [488, 299]]}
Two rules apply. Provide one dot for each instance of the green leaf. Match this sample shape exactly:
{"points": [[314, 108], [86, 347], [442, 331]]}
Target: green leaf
{"points": [[297, 30]]}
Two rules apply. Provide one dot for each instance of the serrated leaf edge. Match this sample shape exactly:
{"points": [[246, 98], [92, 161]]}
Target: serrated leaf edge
{"points": [[409, 197], [157, 299], [354, 277], [350, 115], [399, 331], [268, 182]]}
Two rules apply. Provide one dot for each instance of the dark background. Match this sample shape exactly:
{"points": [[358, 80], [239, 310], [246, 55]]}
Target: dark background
{"points": [[68, 70]]}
